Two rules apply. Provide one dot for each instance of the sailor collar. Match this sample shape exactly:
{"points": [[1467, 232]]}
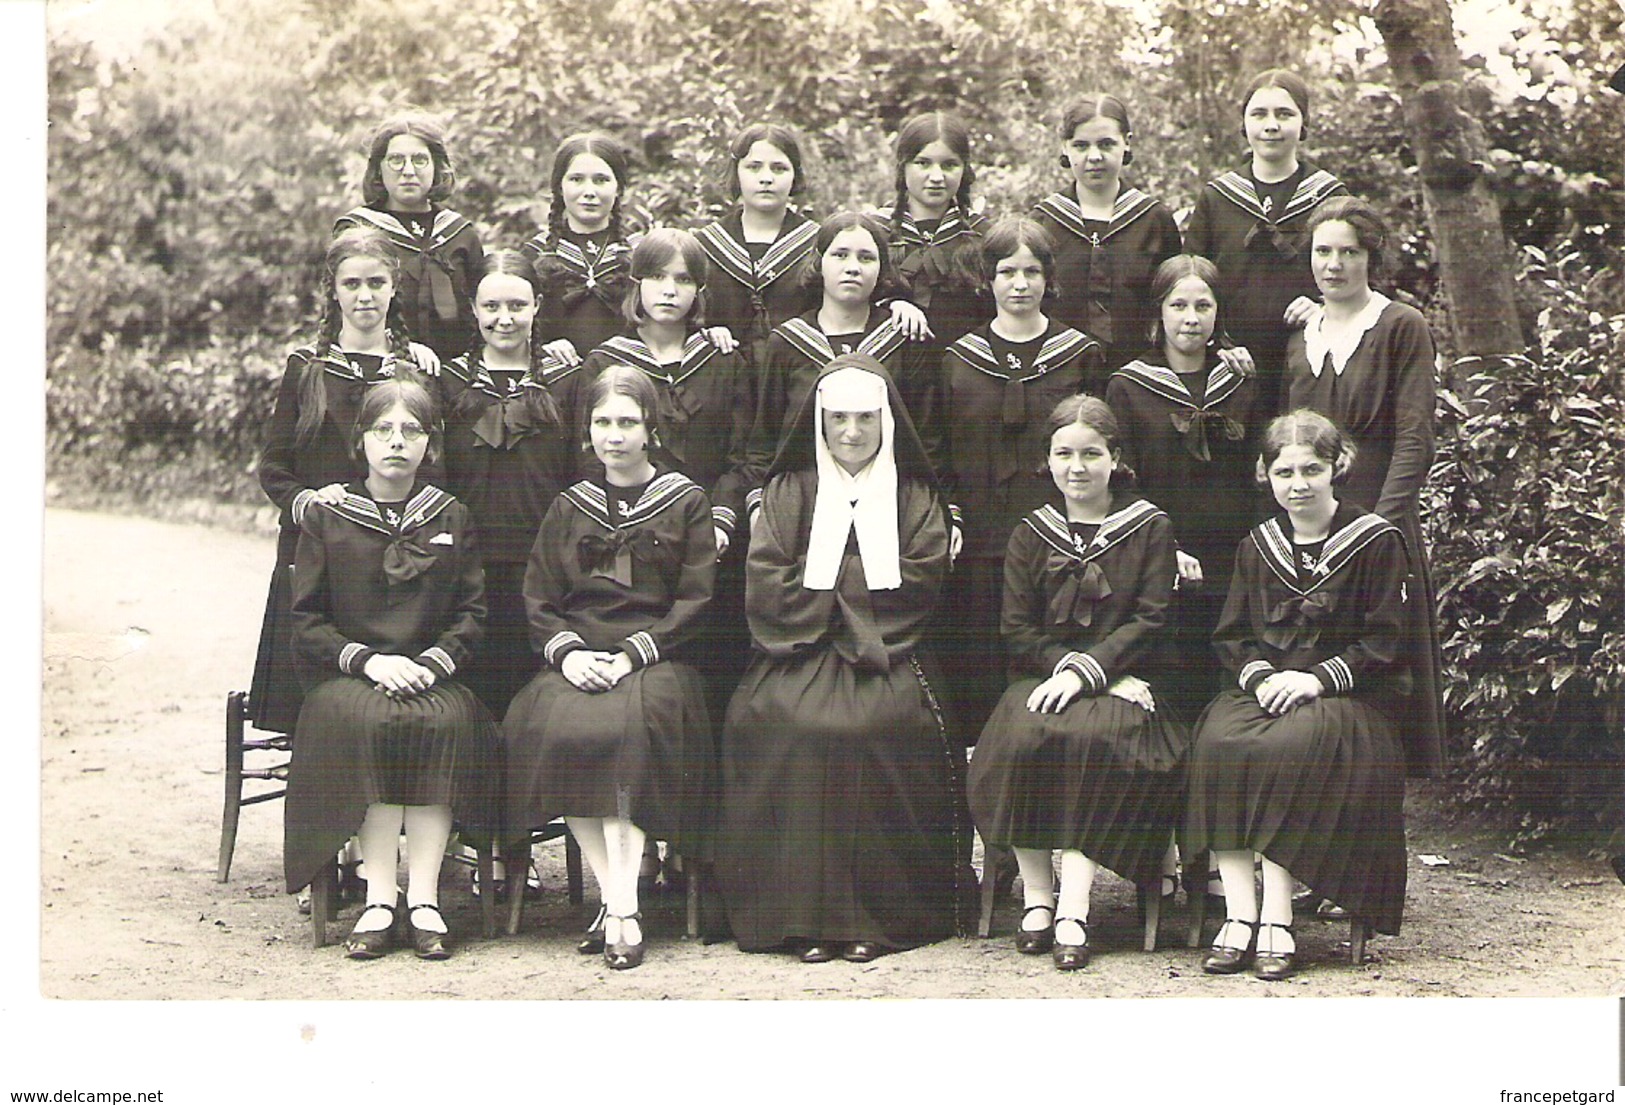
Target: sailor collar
{"points": [[1050, 523]]}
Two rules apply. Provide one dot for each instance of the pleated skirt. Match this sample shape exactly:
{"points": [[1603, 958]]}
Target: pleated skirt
{"points": [[357, 746], [1103, 776], [643, 751], [843, 807], [1319, 790]]}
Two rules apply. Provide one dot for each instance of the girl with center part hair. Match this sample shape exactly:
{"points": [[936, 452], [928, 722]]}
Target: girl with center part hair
{"points": [[1080, 754], [308, 456], [1250, 223], [705, 418], [842, 794], [581, 256], [388, 598], [1001, 381], [1187, 421], [1300, 763], [1109, 237], [851, 267], [613, 734], [934, 229], [409, 179]]}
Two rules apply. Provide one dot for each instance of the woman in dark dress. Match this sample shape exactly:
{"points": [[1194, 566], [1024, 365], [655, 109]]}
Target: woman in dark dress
{"points": [[842, 819], [388, 598], [1077, 755], [613, 734], [1185, 416], [1301, 762], [1250, 223], [1366, 362]]}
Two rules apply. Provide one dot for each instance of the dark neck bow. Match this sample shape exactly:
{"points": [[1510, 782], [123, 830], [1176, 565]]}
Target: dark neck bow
{"points": [[1295, 622], [1262, 234], [675, 407], [437, 292], [405, 560], [1192, 427], [1083, 584], [611, 557], [505, 422]]}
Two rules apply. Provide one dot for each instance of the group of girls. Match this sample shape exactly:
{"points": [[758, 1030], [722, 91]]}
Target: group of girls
{"points": [[756, 528]]}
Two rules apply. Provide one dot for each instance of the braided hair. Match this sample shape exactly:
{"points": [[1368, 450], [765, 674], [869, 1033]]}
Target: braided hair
{"points": [[597, 144], [511, 262], [355, 241]]}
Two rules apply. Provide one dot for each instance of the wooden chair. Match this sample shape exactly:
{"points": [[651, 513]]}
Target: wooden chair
{"points": [[324, 890], [572, 864], [238, 746], [1150, 899]]}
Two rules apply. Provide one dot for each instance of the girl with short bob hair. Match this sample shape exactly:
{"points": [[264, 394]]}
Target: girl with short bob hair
{"points": [[1079, 754], [1110, 237], [388, 596], [933, 227], [409, 180], [613, 734], [1251, 223], [582, 253], [1300, 764], [1000, 381]]}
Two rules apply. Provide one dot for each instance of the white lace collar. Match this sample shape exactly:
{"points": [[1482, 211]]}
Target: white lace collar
{"points": [[1317, 345]]}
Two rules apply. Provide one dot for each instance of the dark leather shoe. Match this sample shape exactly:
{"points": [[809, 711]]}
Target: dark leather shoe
{"points": [[372, 945], [1275, 966], [1071, 957], [1036, 941], [863, 952], [1223, 960], [623, 955], [427, 943], [593, 942], [821, 953]]}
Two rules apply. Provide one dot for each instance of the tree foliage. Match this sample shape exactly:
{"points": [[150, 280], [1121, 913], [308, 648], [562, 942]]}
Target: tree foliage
{"points": [[193, 182]]}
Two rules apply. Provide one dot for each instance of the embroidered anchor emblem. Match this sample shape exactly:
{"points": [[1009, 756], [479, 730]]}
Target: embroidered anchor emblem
{"points": [[1013, 363]]}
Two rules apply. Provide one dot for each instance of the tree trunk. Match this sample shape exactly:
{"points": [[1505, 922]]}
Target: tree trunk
{"points": [[1475, 261]]}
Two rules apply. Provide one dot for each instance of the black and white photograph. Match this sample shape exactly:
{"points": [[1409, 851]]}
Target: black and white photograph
{"points": [[791, 547]]}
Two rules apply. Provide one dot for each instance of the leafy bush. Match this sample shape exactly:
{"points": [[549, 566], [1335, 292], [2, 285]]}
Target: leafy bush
{"points": [[1524, 511]]}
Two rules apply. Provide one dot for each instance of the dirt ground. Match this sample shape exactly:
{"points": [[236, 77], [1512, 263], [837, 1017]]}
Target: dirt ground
{"points": [[137, 661]]}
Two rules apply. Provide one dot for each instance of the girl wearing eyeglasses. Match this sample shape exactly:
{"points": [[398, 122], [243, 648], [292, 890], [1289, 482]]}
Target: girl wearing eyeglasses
{"points": [[388, 605], [409, 178]]}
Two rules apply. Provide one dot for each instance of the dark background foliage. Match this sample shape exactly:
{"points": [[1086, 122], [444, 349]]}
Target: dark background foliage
{"points": [[193, 181]]}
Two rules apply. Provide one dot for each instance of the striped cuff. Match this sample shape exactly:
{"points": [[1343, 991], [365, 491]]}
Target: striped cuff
{"points": [[753, 500], [439, 659], [560, 646], [956, 514], [302, 501], [724, 519], [1253, 674], [1335, 674], [642, 650], [353, 657], [1087, 668]]}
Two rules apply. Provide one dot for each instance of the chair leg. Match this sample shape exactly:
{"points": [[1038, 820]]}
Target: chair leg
{"points": [[1358, 932], [1152, 896], [992, 854], [572, 869], [323, 895], [236, 712], [1196, 908], [692, 895], [488, 921], [516, 894]]}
